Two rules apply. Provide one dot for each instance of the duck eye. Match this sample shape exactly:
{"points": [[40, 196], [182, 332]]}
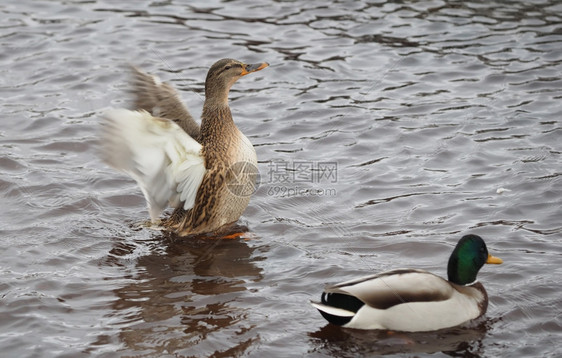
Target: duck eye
{"points": [[228, 67]]}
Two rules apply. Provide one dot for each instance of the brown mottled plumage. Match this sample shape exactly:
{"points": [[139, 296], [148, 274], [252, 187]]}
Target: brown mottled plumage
{"points": [[207, 197]]}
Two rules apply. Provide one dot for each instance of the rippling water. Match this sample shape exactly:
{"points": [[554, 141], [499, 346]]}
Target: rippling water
{"points": [[383, 129]]}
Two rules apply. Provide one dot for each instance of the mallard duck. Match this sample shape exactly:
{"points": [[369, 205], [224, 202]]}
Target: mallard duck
{"points": [[206, 173], [413, 300]]}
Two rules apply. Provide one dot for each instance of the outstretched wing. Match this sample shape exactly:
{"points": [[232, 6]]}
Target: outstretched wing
{"points": [[166, 162], [161, 100]]}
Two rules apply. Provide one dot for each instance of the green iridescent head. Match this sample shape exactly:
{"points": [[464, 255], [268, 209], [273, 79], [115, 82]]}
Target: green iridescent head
{"points": [[467, 258]]}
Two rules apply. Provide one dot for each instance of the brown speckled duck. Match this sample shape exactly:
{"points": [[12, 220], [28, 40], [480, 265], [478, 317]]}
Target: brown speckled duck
{"points": [[206, 173]]}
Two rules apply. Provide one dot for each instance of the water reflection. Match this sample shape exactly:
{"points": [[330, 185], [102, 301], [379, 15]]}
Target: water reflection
{"points": [[463, 341], [183, 299]]}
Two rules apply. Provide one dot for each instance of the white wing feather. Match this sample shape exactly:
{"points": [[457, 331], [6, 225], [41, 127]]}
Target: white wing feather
{"points": [[164, 160], [340, 312]]}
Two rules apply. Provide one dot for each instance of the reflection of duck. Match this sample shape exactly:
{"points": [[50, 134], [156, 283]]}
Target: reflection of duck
{"points": [[207, 174], [185, 296], [413, 300], [332, 341]]}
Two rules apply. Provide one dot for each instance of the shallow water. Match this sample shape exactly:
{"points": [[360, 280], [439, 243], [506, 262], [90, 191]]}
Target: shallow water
{"points": [[383, 131]]}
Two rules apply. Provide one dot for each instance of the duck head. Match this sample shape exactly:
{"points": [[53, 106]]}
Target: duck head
{"points": [[223, 74], [467, 258]]}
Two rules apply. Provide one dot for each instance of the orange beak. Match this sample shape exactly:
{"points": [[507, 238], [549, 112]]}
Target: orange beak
{"points": [[246, 69], [493, 260]]}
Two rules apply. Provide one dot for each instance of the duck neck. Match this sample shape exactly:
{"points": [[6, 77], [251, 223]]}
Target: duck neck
{"points": [[216, 92], [216, 121], [461, 270]]}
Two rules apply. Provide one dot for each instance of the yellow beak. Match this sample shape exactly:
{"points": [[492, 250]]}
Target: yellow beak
{"points": [[493, 260]]}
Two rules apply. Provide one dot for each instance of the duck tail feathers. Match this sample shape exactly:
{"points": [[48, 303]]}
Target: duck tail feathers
{"points": [[334, 315]]}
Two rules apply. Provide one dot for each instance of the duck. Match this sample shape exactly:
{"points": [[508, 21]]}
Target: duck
{"points": [[206, 173], [413, 300]]}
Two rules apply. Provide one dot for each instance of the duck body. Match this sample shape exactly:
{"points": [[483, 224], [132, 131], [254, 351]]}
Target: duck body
{"points": [[207, 173], [402, 300], [225, 192], [412, 300]]}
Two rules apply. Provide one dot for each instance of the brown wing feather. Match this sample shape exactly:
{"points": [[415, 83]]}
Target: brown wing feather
{"points": [[204, 212], [208, 197], [161, 100]]}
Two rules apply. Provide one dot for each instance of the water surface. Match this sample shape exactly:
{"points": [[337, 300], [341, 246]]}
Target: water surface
{"points": [[383, 132]]}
